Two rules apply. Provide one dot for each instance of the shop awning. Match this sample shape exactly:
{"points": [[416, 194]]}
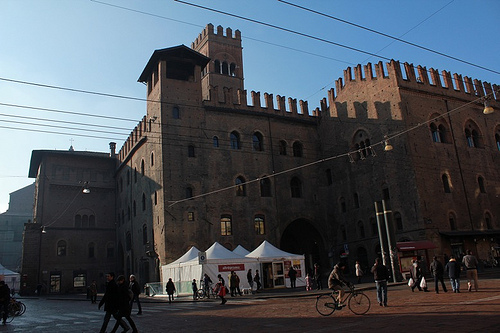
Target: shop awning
{"points": [[415, 245]]}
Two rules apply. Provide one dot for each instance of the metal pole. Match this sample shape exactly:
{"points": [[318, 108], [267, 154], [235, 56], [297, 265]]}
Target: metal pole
{"points": [[381, 231], [391, 238]]}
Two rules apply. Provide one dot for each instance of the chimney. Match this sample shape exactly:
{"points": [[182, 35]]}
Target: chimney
{"points": [[112, 148]]}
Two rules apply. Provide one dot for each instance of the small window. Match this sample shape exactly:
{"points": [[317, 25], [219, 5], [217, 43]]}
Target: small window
{"points": [[215, 141], [232, 69], [61, 248], [265, 187], [189, 192], [446, 184], [176, 113], [152, 159], [451, 220], [296, 187], [235, 140], [190, 151], [217, 67], [240, 187], [259, 225], [257, 141], [190, 216], [282, 148], [143, 202], [142, 167], [225, 68], [297, 149], [356, 200], [480, 182], [225, 225], [135, 175], [79, 280], [156, 198], [436, 137]]}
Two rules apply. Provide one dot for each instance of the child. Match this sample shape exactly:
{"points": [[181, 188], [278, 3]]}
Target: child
{"points": [[195, 290], [309, 282]]}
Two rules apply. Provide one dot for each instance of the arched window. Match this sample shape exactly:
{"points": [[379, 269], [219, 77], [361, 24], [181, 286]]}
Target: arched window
{"points": [[399, 221], [356, 200], [235, 140], [189, 192], [473, 135], [78, 221], [215, 141], [265, 187], [259, 225], [282, 148], [91, 221], [61, 248], [176, 114], [91, 250], [257, 141], [480, 182], [225, 68], [232, 69], [297, 149], [217, 67], [436, 137], [128, 241], [135, 175], [190, 151], [225, 225], [446, 184], [144, 234], [240, 187], [143, 202], [85, 221], [361, 143], [142, 167], [152, 159], [156, 198], [296, 187], [361, 229], [452, 221]]}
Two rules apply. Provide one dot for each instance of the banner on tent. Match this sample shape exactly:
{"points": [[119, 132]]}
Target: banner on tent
{"points": [[231, 267]]}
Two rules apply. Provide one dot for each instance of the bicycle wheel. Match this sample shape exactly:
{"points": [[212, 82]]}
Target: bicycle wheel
{"points": [[325, 304], [359, 303], [23, 308], [201, 293]]}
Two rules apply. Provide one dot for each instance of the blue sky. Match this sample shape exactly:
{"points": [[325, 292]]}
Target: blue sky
{"points": [[103, 46]]}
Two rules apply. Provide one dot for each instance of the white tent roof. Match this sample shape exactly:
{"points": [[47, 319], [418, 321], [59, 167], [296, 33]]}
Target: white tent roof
{"points": [[217, 251], [241, 251], [269, 251], [189, 255]]}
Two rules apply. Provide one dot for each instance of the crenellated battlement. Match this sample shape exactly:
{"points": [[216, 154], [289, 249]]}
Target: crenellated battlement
{"points": [[284, 106], [139, 132], [219, 33]]}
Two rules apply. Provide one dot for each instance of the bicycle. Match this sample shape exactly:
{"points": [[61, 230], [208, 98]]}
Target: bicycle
{"points": [[357, 302], [16, 308], [202, 293]]}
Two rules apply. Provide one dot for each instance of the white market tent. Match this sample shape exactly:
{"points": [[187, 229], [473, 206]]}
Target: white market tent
{"points": [[218, 260], [241, 251], [12, 279], [275, 264]]}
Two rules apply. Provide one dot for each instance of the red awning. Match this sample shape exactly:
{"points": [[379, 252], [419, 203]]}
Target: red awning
{"points": [[415, 245]]}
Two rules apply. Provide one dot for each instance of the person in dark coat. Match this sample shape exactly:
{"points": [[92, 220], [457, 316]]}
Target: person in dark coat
{"points": [[4, 300], [437, 271], [123, 302], [416, 274], [110, 301], [136, 290], [292, 274], [381, 275], [453, 268], [256, 279], [170, 289]]}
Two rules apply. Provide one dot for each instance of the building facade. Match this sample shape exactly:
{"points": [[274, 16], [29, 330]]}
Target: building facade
{"points": [[205, 164]]}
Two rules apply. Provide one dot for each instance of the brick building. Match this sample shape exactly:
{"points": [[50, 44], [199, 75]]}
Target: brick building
{"points": [[205, 164]]}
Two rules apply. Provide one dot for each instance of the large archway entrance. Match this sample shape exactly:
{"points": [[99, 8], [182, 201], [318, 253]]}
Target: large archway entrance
{"points": [[301, 237]]}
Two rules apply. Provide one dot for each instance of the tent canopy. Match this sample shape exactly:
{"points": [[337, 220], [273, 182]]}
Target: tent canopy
{"points": [[189, 255], [268, 251], [241, 251]]}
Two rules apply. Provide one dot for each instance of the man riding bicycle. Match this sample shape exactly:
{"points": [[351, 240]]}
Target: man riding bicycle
{"points": [[337, 281]]}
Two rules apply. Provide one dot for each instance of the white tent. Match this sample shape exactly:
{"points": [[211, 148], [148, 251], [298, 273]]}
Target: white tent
{"points": [[217, 260], [241, 251], [12, 279], [275, 264]]}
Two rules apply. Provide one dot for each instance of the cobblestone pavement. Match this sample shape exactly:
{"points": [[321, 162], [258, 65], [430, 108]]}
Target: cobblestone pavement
{"points": [[285, 311]]}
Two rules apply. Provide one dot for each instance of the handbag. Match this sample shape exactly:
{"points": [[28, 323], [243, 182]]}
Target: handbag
{"points": [[423, 283], [411, 282]]}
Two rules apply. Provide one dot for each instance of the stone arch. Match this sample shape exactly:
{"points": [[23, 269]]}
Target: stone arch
{"points": [[302, 237]]}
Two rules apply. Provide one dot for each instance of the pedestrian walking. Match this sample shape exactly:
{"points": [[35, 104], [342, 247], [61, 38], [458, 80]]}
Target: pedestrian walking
{"points": [[417, 275], [93, 292], [381, 275], [317, 276], [453, 268], [110, 302], [309, 282], [220, 289], [170, 289], [359, 271], [292, 274], [195, 290], [256, 279], [237, 280], [250, 280], [125, 295], [470, 263], [4, 301], [207, 282], [136, 290], [437, 271]]}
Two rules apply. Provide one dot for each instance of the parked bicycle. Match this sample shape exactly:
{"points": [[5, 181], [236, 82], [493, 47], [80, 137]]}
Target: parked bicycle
{"points": [[356, 300], [202, 292], [16, 308]]}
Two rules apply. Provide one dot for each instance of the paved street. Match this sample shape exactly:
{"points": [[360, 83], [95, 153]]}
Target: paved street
{"points": [[290, 311]]}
